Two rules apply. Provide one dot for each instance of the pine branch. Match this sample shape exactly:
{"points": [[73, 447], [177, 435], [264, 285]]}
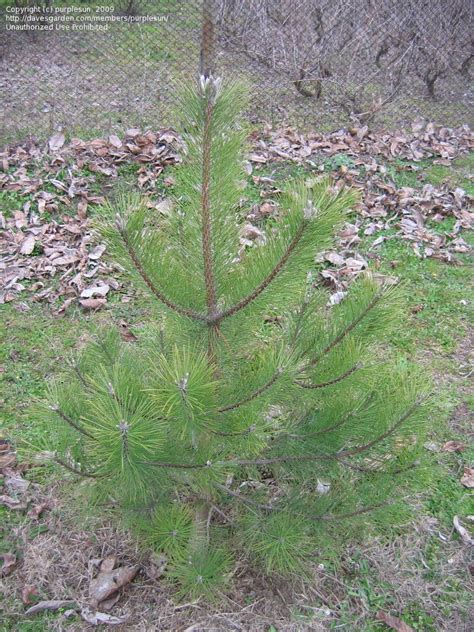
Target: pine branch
{"points": [[178, 466], [327, 457], [317, 433], [370, 470], [255, 394], [266, 282], [184, 311], [71, 422], [239, 433], [246, 501], [347, 330], [386, 434], [80, 377], [292, 458], [330, 382], [73, 469]]}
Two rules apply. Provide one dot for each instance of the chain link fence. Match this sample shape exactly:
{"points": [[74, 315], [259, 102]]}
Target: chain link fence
{"points": [[87, 68]]}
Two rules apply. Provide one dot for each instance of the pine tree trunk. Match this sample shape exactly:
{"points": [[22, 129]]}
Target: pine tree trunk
{"points": [[199, 539]]}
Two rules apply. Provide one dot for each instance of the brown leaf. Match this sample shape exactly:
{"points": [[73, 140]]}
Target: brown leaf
{"points": [[109, 581], [108, 563], [96, 618], [108, 604], [95, 290], [7, 454], [115, 141], [82, 209], [9, 563], [463, 532], [29, 594], [52, 604], [93, 303], [467, 478], [453, 446], [97, 252], [258, 158], [334, 258], [28, 245], [56, 141], [158, 564], [36, 511], [393, 622], [20, 219], [126, 334], [14, 483], [12, 503], [66, 260], [131, 133], [164, 207], [249, 231]]}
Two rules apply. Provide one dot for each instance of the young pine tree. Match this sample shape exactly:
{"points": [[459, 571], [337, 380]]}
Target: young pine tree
{"points": [[252, 418]]}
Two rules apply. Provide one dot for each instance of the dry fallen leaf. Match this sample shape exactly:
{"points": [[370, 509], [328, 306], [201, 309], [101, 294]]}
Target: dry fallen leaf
{"points": [[96, 618], [109, 580], [28, 245], [29, 594], [258, 158], [35, 512], [97, 252], [453, 446], [7, 454], [56, 141], [51, 604], [14, 483], [158, 564], [393, 622], [126, 334], [109, 603], [463, 532], [115, 141], [9, 563], [334, 258], [12, 503], [93, 303], [467, 478], [95, 290], [82, 209], [164, 207]]}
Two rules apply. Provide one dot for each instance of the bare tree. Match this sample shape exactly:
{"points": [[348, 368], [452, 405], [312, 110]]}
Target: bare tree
{"points": [[355, 54]]}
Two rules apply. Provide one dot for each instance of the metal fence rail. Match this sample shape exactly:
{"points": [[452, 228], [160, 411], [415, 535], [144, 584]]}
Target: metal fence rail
{"points": [[89, 68]]}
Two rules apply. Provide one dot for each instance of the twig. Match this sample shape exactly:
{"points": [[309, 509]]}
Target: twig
{"points": [[184, 311], [330, 382], [347, 330], [247, 501], [253, 395], [72, 423], [73, 469], [273, 274]]}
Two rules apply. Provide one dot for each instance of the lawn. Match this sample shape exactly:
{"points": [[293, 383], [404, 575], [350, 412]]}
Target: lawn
{"points": [[419, 573]]}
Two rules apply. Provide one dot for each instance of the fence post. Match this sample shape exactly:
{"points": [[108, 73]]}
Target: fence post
{"points": [[208, 34]]}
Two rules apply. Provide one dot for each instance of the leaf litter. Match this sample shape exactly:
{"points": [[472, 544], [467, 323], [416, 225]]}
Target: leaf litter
{"points": [[47, 246], [49, 252]]}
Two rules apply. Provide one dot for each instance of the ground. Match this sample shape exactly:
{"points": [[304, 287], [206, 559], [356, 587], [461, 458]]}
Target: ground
{"points": [[420, 573]]}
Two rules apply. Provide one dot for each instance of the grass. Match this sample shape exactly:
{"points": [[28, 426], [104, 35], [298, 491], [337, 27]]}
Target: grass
{"points": [[415, 174], [37, 344]]}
